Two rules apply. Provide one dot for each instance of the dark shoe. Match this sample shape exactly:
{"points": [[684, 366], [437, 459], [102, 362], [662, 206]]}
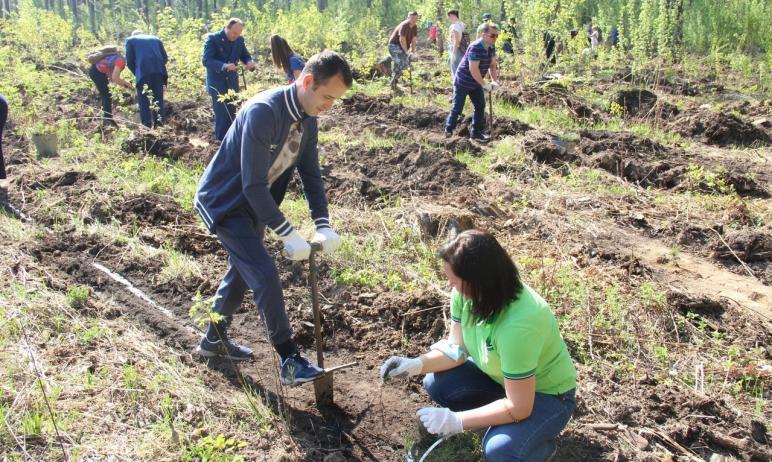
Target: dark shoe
{"points": [[480, 137], [448, 134], [296, 370], [397, 90], [223, 347]]}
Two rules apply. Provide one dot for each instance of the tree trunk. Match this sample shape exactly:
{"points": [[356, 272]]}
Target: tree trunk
{"points": [[75, 13], [92, 16]]}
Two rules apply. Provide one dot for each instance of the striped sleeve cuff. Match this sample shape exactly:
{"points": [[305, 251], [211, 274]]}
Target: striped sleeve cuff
{"points": [[523, 375], [322, 223], [284, 229]]}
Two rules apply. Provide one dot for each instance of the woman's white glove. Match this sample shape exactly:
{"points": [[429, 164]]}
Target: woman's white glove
{"points": [[399, 367], [295, 247], [329, 239], [440, 421]]}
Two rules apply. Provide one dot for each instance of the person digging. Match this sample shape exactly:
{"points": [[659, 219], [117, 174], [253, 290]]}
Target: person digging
{"points": [[403, 40], [480, 58], [239, 194]]}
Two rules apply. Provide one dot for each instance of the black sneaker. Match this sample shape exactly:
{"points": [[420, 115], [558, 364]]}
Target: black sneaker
{"points": [[224, 347], [480, 137], [296, 370]]}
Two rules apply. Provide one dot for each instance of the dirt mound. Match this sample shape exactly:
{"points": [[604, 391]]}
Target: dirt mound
{"points": [[719, 128], [639, 160], [157, 143], [415, 118], [642, 104], [555, 95], [686, 87], [752, 109], [150, 208], [749, 245], [386, 319], [57, 180], [403, 170], [547, 150]]}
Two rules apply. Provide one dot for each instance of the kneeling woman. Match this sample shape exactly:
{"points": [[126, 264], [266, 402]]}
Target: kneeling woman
{"points": [[504, 364]]}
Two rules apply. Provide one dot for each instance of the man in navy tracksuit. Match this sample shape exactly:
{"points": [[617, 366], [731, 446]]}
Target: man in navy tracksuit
{"points": [[222, 52], [146, 58], [239, 195]]}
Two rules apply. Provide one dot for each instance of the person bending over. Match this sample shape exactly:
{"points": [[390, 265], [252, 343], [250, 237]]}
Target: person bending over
{"points": [[504, 365]]}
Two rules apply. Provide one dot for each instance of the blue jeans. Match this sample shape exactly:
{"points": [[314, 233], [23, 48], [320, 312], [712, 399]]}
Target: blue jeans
{"points": [[250, 267], [224, 114], [477, 97], [455, 57], [531, 440], [151, 117]]}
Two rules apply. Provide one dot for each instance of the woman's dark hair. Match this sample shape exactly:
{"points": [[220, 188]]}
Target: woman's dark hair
{"points": [[453, 12], [326, 65], [281, 52], [490, 278]]}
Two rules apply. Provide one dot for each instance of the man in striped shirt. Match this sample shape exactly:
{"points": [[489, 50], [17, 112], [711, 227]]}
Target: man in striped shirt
{"points": [[274, 134], [479, 58]]}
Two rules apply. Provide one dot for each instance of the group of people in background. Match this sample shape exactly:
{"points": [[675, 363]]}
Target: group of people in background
{"points": [[223, 53]]}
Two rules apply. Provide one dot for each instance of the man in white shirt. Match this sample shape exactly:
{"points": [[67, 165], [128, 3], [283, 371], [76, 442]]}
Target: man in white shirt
{"points": [[456, 46]]}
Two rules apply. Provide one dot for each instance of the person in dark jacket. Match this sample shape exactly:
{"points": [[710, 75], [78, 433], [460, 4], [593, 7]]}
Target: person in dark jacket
{"points": [[146, 59], [222, 52], [3, 119], [239, 194], [107, 70]]}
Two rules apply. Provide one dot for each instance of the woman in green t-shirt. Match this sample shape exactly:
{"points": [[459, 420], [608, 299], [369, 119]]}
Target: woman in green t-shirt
{"points": [[504, 364]]}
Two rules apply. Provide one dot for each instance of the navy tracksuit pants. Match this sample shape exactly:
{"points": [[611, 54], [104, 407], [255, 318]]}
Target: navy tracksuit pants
{"points": [[251, 267], [224, 113]]}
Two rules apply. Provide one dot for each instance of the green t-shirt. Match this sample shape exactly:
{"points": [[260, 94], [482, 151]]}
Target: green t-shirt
{"points": [[523, 340]]}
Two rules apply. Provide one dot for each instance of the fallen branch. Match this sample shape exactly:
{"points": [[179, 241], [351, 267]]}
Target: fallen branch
{"points": [[728, 442]]}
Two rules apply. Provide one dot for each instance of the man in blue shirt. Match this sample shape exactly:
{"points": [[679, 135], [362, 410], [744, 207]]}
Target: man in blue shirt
{"points": [[222, 52], [239, 195], [146, 58], [479, 58]]}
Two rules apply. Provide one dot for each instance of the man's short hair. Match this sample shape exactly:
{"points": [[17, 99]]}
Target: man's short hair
{"points": [[326, 65], [486, 16], [453, 12], [136, 32], [233, 21], [412, 13], [487, 26]]}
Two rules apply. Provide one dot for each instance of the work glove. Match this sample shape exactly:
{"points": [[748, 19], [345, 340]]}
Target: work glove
{"points": [[399, 367], [329, 239], [295, 247], [490, 86], [440, 421]]}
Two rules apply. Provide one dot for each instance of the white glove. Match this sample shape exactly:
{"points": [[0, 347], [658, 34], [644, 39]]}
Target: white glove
{"points": [[440, 421], [399, 367], [329, 239], [296, 247], [490, 86]]}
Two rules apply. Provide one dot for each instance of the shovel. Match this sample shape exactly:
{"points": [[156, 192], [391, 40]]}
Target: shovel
{"points": [[323, 389], [490, 110], [244, 78]]}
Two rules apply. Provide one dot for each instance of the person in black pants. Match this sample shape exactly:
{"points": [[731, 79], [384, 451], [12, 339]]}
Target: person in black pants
{"points": [[3, 118], [105, 71]]}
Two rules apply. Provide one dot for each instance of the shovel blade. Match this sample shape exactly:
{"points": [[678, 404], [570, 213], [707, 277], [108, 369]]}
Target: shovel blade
{"points": [[323, 390]]}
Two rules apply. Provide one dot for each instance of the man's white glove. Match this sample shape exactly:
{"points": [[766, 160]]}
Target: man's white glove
{"points": [[490, 86], [440, 421], [329, 239], [399, 367], [296, 247]]}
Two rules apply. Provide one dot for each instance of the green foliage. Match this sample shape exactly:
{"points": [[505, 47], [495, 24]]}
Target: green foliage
{"points": [[214, 449], [78, 296]]}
